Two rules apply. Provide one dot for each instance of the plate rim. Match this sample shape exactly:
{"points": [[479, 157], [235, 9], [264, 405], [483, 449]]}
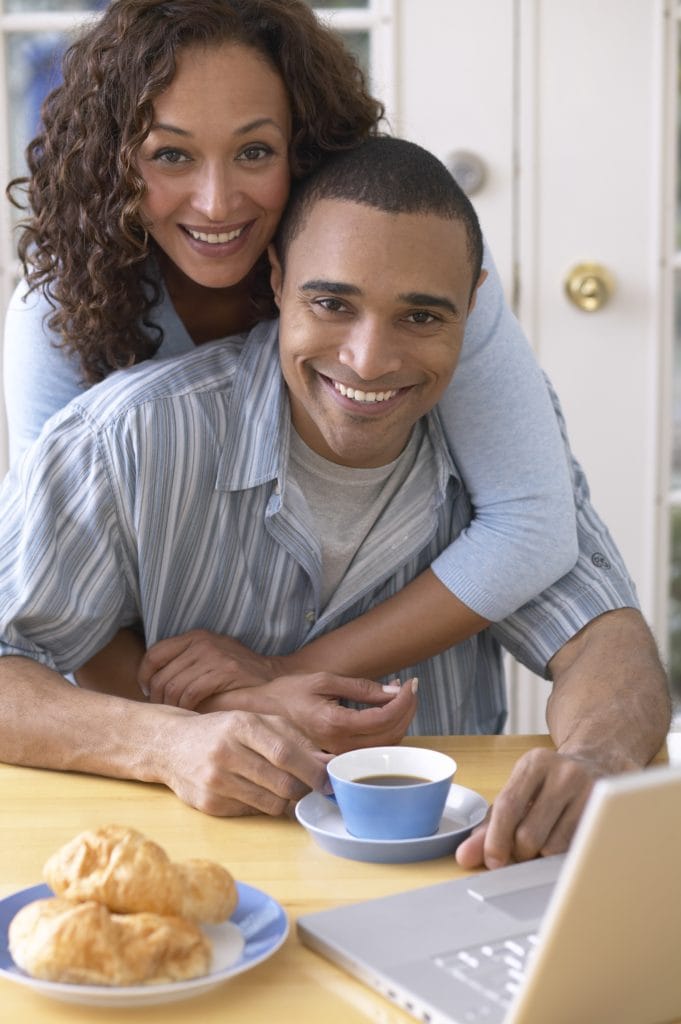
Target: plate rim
{"points": [[125, 995]]}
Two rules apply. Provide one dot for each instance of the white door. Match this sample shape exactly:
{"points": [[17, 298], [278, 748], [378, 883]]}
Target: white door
{"points": [[563, 105]]}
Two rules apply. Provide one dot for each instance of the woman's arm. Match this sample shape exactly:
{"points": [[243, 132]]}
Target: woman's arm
{"points": [[38, 377], [499, 420]]}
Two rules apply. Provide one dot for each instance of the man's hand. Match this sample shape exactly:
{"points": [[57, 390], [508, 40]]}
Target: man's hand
{"points": [[186, 669], [609, 712], [536, 812], [313, 703], [235, 763]]}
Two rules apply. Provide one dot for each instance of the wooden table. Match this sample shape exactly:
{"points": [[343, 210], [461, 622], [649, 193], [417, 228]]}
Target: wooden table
{"points": [[41, 810]]}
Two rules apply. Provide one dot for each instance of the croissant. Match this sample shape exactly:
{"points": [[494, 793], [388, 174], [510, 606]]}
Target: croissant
{"points": [[129, 873], [84, 943]]}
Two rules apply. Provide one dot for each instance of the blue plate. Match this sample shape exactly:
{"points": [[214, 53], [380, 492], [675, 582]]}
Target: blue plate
{"points": [[321, 817], [255, 931]]}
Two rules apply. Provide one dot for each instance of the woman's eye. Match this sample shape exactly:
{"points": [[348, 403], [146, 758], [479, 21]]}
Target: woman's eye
{"points": [[255, 152], [170, 156]]}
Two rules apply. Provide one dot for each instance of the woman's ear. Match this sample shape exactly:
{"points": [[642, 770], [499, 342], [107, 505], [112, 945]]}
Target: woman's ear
{"points": [[276, 273]]}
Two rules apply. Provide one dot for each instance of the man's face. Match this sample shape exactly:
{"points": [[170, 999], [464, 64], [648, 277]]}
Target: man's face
{"points": [[373, 308]]}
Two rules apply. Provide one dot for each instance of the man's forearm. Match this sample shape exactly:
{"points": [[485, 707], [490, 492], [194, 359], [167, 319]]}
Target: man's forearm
{"points": [[48, 723], [610, 699], [114, 669]]}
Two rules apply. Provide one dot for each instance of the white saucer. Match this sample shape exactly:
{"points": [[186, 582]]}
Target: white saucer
{"points": [[255, 931], [320, 816]]}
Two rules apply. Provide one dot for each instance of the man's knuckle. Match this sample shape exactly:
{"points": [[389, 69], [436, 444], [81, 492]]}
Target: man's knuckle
{"points": [[280, 752], [527, 844]]}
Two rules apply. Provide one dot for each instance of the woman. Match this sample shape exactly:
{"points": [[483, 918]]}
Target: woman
{"points": [[155, 185]]}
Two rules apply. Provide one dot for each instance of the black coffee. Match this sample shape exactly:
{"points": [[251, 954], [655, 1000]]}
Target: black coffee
{"points": [[391, 780]]}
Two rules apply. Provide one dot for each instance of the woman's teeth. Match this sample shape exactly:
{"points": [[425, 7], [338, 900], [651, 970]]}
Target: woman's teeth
{"points": [[215, 239], [363, 396]]}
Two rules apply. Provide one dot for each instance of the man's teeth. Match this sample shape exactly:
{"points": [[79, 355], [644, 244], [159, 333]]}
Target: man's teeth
{"points": [[215, 239], [363, 396]]}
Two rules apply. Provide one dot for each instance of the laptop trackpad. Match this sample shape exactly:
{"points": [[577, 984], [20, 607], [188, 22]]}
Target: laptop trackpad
{"points": [[524, 905]]}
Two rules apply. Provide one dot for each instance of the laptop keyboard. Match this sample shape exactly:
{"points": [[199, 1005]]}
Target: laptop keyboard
{"points": [[494, 970]]}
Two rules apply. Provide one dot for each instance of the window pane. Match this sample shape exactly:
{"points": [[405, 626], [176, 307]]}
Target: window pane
{"points": [[678, 147], [335, 4], [675, 602], [29, 6], [358, 43], [676, 397], [33, 61]]}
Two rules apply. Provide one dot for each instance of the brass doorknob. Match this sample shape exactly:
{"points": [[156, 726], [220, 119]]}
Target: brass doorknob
{"points": [[589, 286]]}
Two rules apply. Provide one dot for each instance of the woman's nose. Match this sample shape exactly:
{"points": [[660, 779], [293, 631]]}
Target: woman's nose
{"points": [[215, 193]]}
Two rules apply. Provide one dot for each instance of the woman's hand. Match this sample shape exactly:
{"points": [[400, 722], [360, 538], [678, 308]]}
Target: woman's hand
{"points": [[313, 703], [186, 669]]}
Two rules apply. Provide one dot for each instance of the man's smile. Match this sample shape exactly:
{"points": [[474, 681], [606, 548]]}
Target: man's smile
{"points": [[364, 396]]}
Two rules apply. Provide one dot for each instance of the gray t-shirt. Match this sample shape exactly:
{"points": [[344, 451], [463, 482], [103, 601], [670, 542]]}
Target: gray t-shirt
{"points": [[346, 503]]}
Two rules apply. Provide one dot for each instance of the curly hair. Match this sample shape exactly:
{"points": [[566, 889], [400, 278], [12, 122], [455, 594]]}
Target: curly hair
{"points": [[84, 242]]}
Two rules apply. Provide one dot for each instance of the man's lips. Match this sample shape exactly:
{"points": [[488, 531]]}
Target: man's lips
{"points": [[367, 396]]}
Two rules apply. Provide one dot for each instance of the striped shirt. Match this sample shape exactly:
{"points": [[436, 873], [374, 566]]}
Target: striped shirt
{"points": [[160, 497]]}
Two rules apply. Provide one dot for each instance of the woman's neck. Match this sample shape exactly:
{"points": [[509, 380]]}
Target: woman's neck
{"points": [[209, 313]]}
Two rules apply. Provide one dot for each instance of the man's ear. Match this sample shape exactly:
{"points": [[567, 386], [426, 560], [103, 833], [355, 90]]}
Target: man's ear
{"points": [[276, 273], [474, 296]]}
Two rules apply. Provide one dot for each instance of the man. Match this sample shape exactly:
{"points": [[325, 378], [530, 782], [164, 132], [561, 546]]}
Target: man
{"points": [[100, 531]]}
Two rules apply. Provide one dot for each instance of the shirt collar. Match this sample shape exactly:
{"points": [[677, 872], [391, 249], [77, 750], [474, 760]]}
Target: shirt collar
{"points": [[258, 414]]}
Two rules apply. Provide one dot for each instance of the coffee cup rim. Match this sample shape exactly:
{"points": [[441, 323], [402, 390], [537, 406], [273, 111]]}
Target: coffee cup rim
{"points": [[392, 760]]}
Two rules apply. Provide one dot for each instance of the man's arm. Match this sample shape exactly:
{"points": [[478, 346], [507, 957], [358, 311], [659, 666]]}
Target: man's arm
{"points": [[114, 668], [227, 763], [609, 684], [609, 711]]}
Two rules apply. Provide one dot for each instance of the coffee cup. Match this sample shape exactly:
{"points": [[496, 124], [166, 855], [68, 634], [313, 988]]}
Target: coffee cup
{"points": [[391, 792]]}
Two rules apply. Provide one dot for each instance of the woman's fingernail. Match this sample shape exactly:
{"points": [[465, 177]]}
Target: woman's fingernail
{"points": [[391, 687], [414, 684]]}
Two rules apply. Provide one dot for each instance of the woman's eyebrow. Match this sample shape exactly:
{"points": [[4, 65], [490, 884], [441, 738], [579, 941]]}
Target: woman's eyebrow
{"points": [[260, 122], [161, 126]]}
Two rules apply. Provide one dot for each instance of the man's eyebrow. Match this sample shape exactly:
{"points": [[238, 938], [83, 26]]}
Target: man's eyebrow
{"points": [[244, 129], [424, 299], [413, 298], [335, 287]]}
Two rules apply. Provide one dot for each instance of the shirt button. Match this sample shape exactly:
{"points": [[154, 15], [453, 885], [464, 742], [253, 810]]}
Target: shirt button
{"points": [[309, 615]]}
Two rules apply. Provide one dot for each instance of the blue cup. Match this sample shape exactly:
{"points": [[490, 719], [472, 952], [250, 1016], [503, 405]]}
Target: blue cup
{"points": [[391, 792]]}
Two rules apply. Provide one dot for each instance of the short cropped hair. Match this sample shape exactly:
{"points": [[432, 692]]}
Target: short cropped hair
{"points": [[388, 174]]}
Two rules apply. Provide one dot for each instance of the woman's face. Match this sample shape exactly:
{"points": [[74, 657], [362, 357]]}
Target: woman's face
{"points": [[216, 163]]}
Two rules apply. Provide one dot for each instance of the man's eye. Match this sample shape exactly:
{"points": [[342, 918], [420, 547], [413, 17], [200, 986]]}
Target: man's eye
{"points": [[421, 316], [330, 305]]}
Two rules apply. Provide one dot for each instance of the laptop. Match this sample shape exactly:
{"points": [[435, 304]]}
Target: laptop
{"points": [[592, 936]]}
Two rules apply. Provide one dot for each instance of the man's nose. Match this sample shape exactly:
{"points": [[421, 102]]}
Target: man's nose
{"points": [[215, 192], [370, 350]]}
